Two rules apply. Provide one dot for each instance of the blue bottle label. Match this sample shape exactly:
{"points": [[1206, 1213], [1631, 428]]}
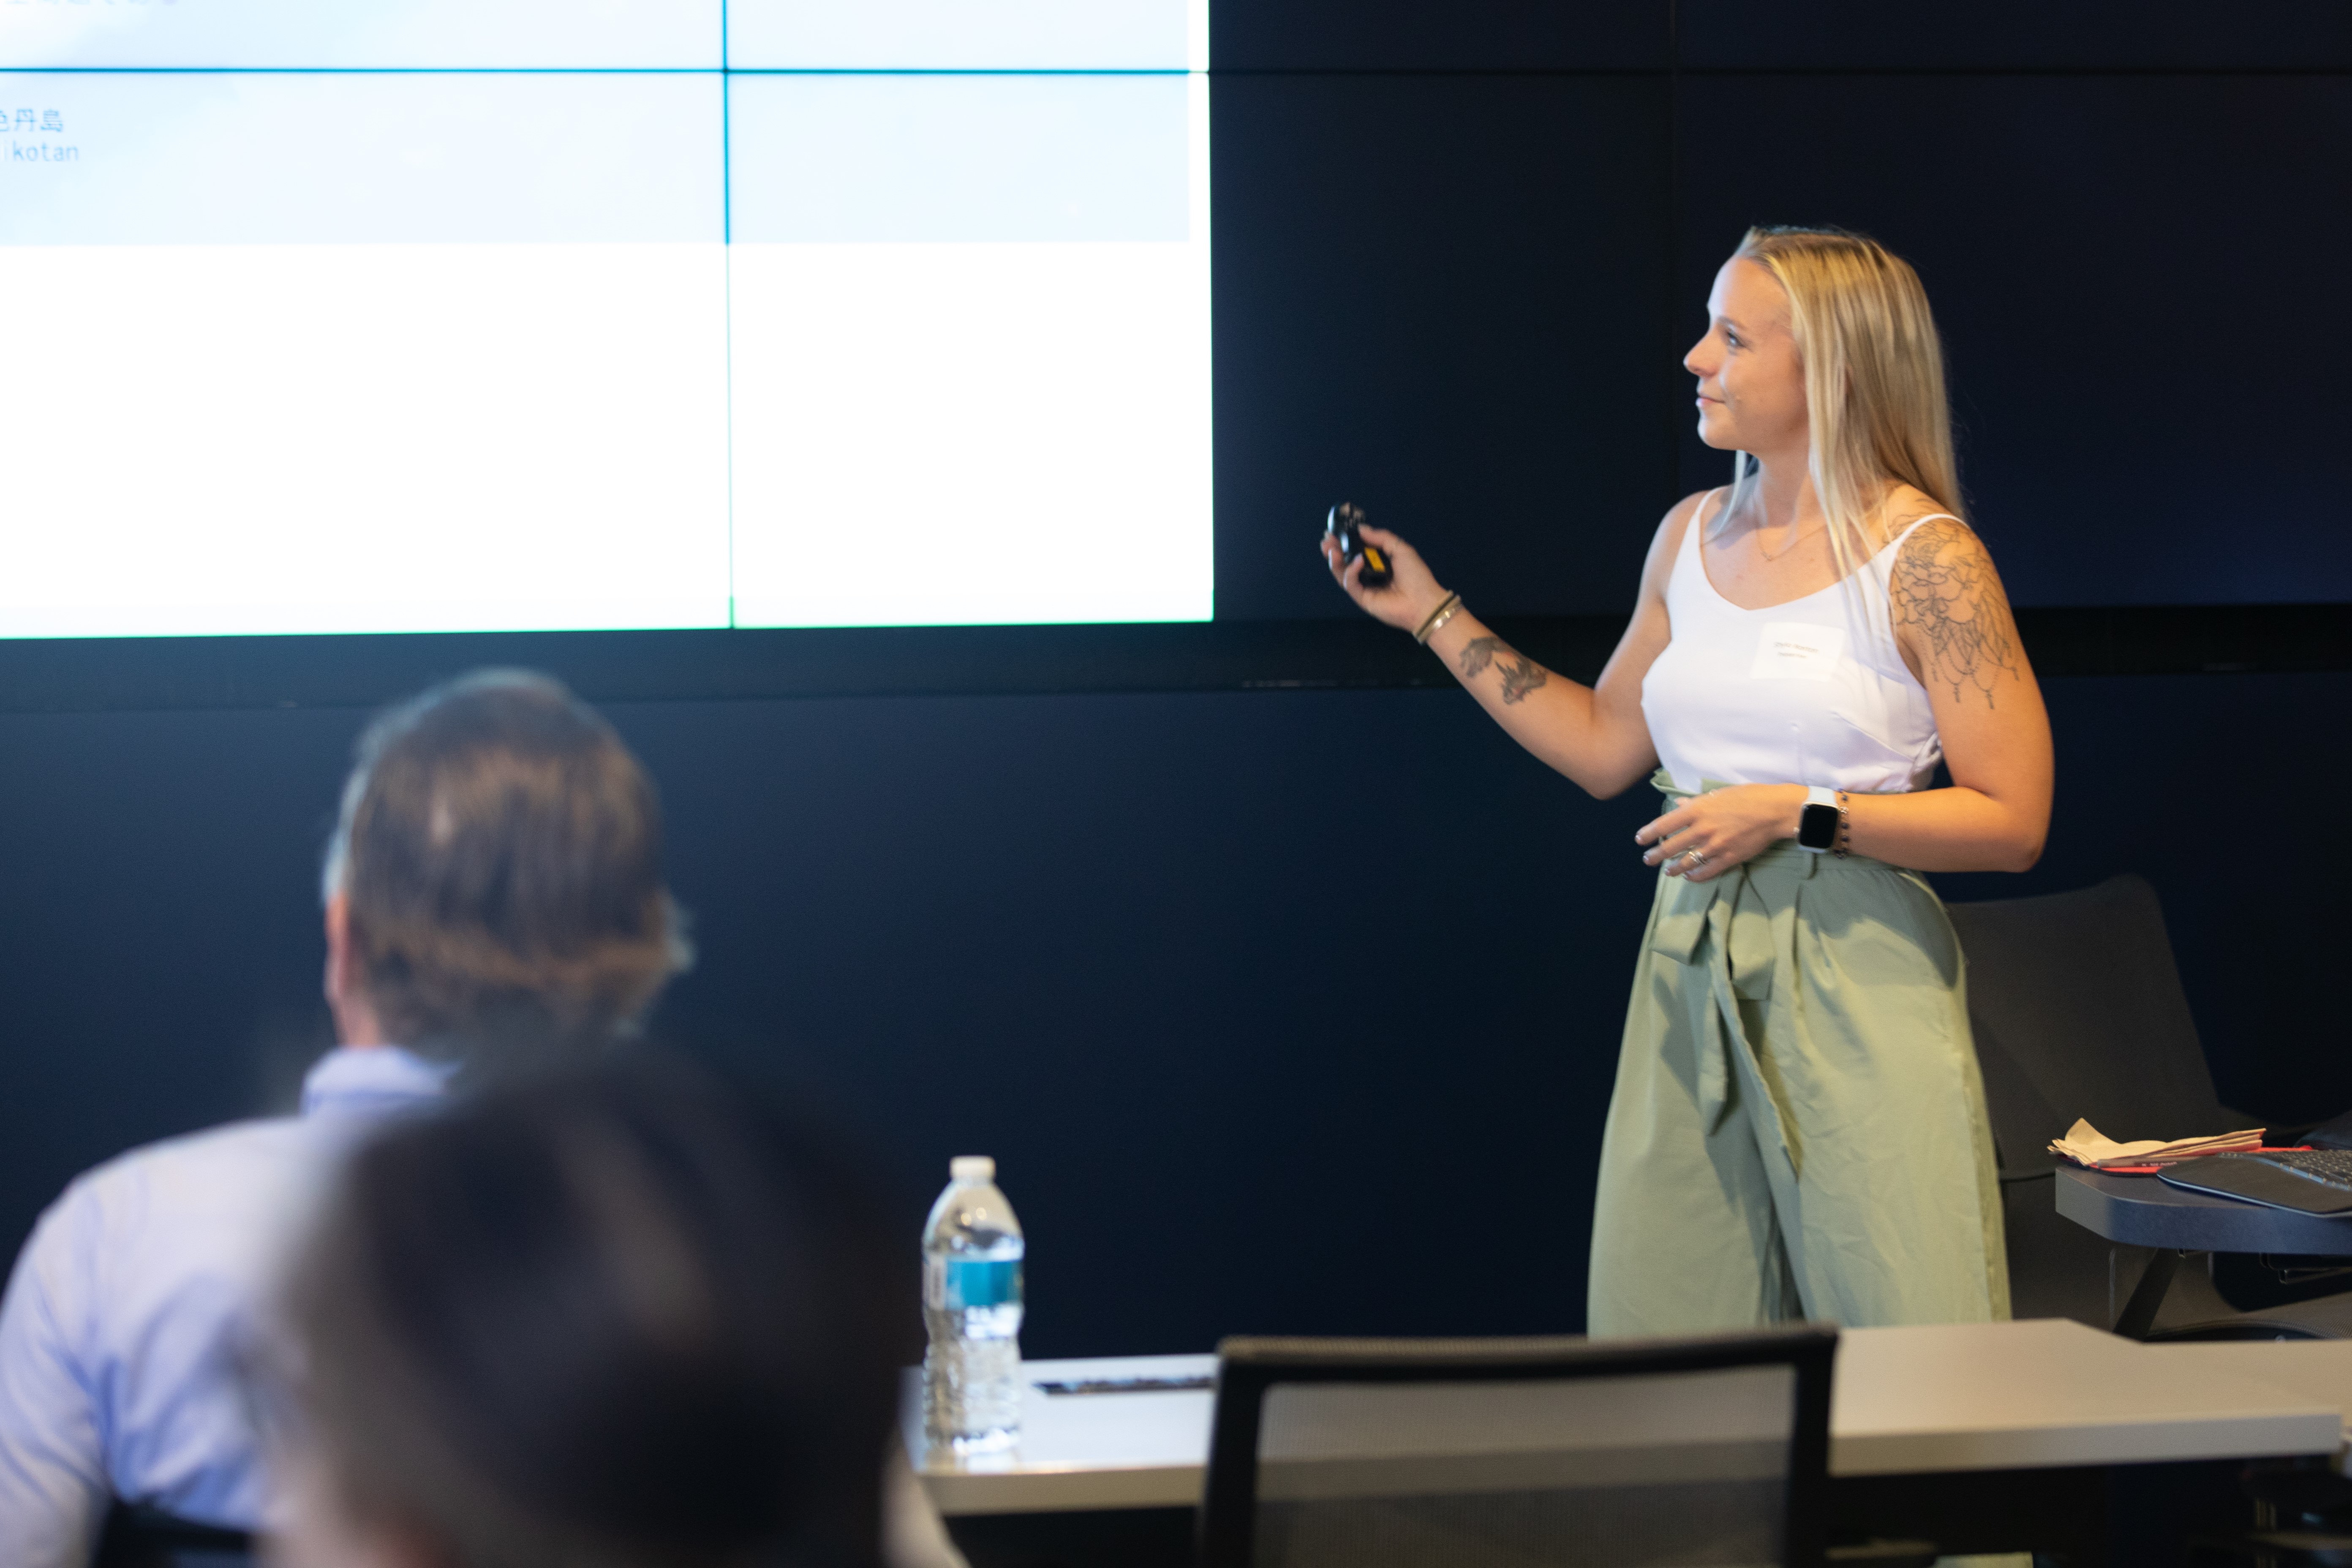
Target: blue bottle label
{"points": [[983, 1282]]}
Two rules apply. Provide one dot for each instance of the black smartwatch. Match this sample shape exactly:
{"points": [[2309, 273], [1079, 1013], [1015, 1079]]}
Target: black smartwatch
{"points": [[1817, 825]]}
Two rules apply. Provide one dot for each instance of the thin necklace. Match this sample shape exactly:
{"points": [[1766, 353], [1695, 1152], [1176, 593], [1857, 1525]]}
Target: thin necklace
{"points": [[1784, 549], [1791, 544]]}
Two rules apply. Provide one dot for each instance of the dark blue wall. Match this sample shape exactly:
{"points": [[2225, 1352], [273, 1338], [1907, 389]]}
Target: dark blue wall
{"points": [[1283, 1011], [1461, 248]]}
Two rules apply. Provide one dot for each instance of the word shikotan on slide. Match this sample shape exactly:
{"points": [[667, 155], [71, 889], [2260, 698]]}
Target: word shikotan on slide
{"points": [[440, 315]]}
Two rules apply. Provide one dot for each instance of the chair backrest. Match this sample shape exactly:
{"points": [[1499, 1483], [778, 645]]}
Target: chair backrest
{"points": [[1530, 1453], [2078, 1012]]}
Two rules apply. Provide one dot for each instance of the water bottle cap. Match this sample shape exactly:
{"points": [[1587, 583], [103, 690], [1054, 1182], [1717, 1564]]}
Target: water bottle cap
{"points": [[972, 1168]]}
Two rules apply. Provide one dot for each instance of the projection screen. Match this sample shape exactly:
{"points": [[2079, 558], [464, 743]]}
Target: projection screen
{"points": [[505, 315]]}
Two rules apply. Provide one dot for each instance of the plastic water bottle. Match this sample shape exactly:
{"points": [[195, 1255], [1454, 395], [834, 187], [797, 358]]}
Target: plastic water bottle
{"points": [[971, 1307]]}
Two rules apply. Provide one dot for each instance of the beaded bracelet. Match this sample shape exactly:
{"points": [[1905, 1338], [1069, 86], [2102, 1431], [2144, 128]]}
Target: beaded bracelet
{"points": [[1845, 829]]}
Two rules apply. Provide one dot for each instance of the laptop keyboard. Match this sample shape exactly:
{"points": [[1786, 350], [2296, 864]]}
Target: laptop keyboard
{"points": [[2331, 1168]]}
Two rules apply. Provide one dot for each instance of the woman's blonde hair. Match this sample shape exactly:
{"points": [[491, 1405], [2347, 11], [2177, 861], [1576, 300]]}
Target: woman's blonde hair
{"points": [[1874, 378]]}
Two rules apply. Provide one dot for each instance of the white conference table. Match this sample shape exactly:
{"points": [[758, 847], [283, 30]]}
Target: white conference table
{"points": [[2045, 1394], [2305, 1369]]}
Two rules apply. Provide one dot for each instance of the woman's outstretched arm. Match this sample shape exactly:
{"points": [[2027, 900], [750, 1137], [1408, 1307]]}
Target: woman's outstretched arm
{"points": [[1595, 734]]}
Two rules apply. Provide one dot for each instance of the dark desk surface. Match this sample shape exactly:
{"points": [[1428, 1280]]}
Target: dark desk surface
{"points": [[2141, 1211]]}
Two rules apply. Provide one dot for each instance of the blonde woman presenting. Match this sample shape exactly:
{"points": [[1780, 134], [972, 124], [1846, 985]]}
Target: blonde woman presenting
{"points": [[1798, 1127]]}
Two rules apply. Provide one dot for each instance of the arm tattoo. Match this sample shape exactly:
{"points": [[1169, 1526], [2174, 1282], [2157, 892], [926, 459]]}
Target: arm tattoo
{"points": [[1521, 674], [1944, 588]]}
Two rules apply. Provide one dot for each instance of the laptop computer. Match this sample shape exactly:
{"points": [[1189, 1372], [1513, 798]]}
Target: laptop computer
{"points": [[2309, 1180]]}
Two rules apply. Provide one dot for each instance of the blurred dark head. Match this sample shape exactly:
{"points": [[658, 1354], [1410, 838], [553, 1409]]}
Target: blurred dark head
{"points": [[497, 874], [623, 1317]]}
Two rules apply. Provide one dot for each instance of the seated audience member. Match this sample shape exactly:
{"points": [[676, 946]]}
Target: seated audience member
{"points": [[625, 1318], [494, 896]]}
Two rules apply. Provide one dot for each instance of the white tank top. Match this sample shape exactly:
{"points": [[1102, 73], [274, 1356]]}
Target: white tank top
{"points": [[1809, 692]]}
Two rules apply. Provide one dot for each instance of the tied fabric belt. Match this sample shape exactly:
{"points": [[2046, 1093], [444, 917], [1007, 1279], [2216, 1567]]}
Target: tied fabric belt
{"points": [[1743, 924]]}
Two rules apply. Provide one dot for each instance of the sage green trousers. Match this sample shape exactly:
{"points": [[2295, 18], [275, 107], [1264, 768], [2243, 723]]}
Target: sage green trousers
{"points": [[1799, 1126]]}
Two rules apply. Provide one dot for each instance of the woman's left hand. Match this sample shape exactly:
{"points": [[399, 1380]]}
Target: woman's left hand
{"points": [[1710, 834]]}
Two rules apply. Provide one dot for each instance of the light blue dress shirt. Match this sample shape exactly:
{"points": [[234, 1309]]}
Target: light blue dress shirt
{"points": [[122, 1329]]}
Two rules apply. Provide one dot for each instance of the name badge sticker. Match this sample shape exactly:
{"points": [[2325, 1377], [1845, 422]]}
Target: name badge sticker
{"points": [[1798, 650]]}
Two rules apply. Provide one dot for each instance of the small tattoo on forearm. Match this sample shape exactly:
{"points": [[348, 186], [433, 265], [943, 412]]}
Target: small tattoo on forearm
{"points": [[1521, 674], [1519, 681]]}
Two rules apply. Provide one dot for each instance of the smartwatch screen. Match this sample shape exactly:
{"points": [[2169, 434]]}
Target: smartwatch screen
{"points": [[1817, 827]]}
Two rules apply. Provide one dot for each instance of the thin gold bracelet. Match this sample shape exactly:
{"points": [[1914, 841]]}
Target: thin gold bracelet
{"points": [[1446, 610]]}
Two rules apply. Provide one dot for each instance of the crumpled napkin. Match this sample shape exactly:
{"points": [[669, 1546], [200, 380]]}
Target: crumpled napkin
{"points": [[2086, 1145]]}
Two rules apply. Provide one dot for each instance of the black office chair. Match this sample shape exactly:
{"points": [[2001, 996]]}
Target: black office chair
{"points": [[2078, 1012], [142, 1538], [1561, 1453]]}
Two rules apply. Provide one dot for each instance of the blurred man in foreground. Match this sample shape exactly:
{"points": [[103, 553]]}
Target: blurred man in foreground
{"points": [[494, 904], [494, 899]]}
